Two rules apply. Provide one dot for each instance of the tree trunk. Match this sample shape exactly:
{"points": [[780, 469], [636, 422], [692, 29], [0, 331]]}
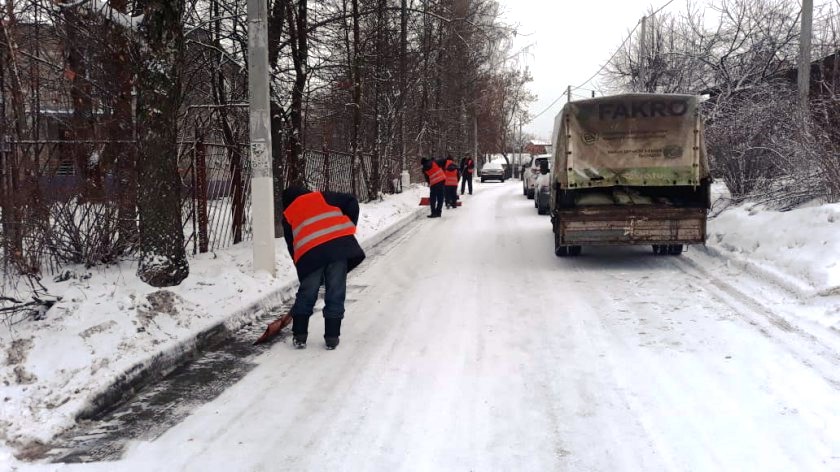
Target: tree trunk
{"points": [[162, 257], [356, 78], [81, 121], [298, 25], [121, 127]]}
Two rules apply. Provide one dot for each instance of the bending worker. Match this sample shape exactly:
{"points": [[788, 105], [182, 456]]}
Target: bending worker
{"points": [[319, 229], [436, 179]]}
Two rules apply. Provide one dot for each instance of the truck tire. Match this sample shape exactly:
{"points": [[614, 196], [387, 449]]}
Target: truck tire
{"points": [[675, 249], [530, 194], [575, 251], [561, 251]]}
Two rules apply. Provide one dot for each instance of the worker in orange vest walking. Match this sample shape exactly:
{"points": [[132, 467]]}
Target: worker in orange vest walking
{"points": [[450, 170], [436, 179], [319, 229]]}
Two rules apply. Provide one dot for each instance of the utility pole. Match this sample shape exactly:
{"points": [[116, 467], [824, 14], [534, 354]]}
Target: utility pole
{"points": [[642, 54], [804, 76], [568, 94], [262, 191], [521, 144], [475, 137], [405, 176]]}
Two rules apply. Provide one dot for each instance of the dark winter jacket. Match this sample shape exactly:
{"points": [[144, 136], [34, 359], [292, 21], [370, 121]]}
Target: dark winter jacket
{"points": [[467, 166], [426, 164], [346, 247]]}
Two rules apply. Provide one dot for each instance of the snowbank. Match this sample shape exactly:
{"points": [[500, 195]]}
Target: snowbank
{"points": [[109, 322], [800, 247]]}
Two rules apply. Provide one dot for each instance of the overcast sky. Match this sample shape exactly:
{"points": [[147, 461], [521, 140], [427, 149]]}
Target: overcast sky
{"points": [[570, 40]]}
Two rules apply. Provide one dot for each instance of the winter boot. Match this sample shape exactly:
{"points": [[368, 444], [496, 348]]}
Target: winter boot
{"points": [[299, 341], [332, 330], [300, 329]]}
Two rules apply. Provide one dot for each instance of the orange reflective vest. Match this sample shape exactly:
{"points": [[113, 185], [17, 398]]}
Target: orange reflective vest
{"points": [[451, 175], [435, 174], [314, 222]]}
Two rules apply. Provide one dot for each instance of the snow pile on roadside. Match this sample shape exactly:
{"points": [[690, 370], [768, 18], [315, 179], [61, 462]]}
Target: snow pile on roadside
{"points": [[109, 322], [801, 247]]}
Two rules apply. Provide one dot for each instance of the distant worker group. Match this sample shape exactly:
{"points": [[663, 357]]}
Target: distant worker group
{"points": [[443, 176]]}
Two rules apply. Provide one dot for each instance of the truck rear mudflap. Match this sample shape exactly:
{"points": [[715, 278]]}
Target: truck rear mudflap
{"points": [[633, 224]]}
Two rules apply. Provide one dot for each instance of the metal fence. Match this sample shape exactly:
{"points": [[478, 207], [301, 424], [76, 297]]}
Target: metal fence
{"points": [[66, 202], [338, 172], [217, 203]]}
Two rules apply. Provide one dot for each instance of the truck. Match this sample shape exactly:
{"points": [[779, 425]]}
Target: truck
{"points": [[630, 169]]}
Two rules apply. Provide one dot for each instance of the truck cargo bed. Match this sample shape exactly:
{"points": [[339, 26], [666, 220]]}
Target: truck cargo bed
{"points": [[631, 224]]}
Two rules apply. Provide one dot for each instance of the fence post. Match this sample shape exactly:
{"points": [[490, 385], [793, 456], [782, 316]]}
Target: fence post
{"points": [[353, 175], [201, 193], [326, 169]]}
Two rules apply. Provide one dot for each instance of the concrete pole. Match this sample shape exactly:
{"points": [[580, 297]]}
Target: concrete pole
{"points": [[262, 190], [475, 141], [804, 76], [642, 54], [405, 176]]}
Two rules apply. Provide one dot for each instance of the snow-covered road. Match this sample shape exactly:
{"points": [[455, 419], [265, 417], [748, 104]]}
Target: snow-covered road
{"points": [[469, 346]]}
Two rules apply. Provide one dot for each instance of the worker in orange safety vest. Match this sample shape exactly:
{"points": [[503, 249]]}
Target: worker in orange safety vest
{"points": [[319, 229], [436, 178], [450, 169]]}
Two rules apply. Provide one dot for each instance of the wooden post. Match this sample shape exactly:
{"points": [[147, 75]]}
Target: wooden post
{"points": [[804, 76], [201, 193]]}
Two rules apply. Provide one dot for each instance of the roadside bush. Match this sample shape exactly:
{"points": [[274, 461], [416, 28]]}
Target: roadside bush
{"points": [[767, 150]]}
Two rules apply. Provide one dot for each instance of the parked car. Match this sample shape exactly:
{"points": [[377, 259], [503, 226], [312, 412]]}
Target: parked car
{"points": [[542, 192], [529, 178], [492, 171]]}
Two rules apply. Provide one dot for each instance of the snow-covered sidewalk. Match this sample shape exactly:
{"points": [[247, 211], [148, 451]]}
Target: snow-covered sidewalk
{"points": [[110, 326]]}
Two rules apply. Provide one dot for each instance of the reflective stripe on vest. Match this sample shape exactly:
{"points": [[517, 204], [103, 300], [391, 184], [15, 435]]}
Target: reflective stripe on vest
{"points": [[435, 174], [451, 175], [314, 222]]}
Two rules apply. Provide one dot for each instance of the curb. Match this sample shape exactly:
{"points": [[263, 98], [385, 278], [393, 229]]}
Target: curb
{"points": [[161, 364]]}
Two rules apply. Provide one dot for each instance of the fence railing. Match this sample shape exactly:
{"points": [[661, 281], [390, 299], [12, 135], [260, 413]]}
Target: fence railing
{"points": [[69, 202]]}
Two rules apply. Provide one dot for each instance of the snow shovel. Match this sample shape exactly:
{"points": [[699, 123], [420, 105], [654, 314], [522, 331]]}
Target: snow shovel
{"points": [[274, 328], [424, 201]]}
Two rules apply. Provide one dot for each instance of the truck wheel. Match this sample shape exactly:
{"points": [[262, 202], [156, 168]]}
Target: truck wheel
{"points": [[657, 249], [530, 194], [675, 249], [561, 251], [575, 251], [482, 180]]}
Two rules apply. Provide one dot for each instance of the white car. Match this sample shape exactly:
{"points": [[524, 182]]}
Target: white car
{"points": [[542, 194], [529, 178]]}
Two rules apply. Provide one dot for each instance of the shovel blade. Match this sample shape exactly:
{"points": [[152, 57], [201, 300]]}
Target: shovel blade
{"points": [[274, 328]]}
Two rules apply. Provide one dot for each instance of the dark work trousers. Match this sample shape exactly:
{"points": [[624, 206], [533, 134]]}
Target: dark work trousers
{"points": [[334, 278], [452, 195], [436, 195], [466, 179]]}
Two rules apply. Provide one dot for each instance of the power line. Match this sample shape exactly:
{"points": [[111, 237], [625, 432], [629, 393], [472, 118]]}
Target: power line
{"points": [[622, 45], [611, 57], [579, 87], [548, 107]]}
